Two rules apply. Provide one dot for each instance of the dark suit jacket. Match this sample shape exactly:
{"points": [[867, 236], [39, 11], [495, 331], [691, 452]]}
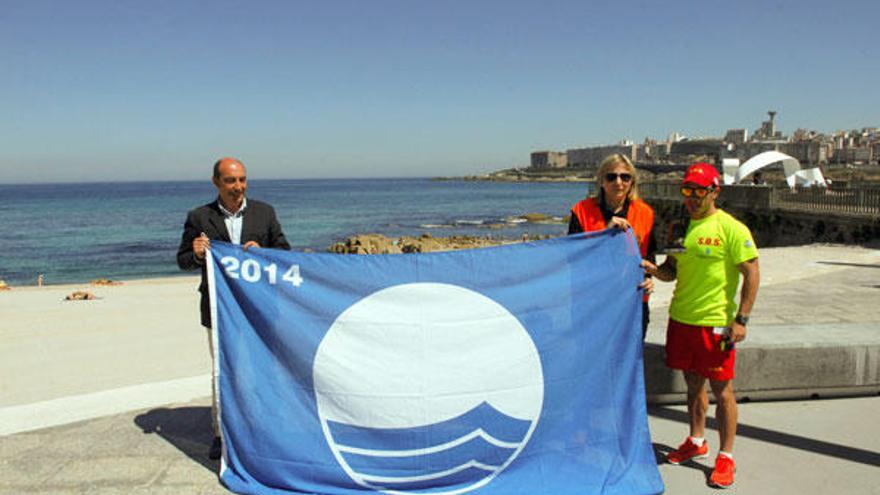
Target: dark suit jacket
{"points": [[258, 224]]}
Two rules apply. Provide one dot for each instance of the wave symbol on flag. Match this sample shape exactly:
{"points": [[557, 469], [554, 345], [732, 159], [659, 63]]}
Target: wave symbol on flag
{"points": [[462, 451], [427, 388]]}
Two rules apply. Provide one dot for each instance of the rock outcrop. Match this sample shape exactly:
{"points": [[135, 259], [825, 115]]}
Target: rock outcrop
{"points": [[426, 243]]}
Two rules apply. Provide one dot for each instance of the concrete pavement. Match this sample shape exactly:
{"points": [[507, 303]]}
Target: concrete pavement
{"points": [[783, 448]]}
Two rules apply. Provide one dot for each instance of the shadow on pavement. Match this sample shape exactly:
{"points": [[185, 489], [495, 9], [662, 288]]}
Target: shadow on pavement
{"points": [[660, 451], [844, 452], [844, 263], [187, 428]]}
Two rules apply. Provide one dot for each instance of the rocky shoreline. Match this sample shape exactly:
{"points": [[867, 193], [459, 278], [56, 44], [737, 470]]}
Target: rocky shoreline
{"points": [[525, 175], [373, 243], [425, 243]]}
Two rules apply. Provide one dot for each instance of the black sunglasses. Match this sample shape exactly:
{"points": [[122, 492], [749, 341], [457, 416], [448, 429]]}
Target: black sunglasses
{"points": [[611, 177]]}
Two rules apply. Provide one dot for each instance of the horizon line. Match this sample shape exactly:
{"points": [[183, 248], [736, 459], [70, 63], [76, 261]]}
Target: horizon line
{"points": [[166, 181]]}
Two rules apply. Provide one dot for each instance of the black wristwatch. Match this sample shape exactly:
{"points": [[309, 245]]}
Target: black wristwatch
{"points": [[741, 319]]}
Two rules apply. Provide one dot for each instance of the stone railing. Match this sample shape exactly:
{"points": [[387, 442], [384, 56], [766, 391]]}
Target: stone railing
{"points": [[854, 201], [858, 201]]}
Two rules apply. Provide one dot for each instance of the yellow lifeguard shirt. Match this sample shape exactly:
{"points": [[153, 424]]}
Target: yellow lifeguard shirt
{"points": [[707, 271]]}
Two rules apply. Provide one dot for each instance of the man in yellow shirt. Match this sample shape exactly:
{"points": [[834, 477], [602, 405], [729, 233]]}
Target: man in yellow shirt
{"points": [[704, 321]]}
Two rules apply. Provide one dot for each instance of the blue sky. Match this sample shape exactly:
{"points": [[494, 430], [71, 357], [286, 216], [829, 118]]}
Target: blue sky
{"points": [[157, 90]]}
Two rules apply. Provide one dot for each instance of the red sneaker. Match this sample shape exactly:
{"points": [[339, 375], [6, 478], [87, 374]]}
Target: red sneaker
{"points": [[722, 475], [687, 451]]}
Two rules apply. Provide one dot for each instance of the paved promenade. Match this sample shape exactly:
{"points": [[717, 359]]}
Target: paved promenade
{"points": [[97, 400], [783, 448]]}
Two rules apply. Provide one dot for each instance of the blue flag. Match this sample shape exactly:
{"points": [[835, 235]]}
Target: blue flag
{"points": [[506, 370]]}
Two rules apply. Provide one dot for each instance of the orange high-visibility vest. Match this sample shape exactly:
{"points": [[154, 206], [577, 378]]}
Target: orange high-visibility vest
{"points": [[639, 215]]}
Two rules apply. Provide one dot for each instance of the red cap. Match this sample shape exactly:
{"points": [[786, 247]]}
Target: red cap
{"points": [[703, 175]]}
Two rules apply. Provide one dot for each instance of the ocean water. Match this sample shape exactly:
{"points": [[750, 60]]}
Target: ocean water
{"points": [[73, 233]]}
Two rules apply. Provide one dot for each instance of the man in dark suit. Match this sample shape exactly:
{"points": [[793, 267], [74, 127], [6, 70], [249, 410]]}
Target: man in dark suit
{"points": [[230, 218]]}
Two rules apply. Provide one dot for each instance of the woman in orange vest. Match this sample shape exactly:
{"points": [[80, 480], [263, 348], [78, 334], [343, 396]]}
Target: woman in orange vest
{"points": [[617, 204]]}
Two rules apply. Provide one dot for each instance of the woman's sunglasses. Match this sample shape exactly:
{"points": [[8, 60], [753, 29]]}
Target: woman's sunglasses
{"points": [[623, 177], [699, 192]]}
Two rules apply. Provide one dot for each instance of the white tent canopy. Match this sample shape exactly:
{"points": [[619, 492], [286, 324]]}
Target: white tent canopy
{"points": [[729, 166], [794, 175]]}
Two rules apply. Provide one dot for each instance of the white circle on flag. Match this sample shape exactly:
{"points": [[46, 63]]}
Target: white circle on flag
{"points": [[429, 359]]}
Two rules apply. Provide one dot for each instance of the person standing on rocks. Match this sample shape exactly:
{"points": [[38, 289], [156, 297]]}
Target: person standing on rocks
{"points": [[704, 320], [230, 218], [617, 205]]}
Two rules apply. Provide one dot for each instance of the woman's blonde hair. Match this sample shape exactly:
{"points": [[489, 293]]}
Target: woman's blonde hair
{"points": [[606, 165]]}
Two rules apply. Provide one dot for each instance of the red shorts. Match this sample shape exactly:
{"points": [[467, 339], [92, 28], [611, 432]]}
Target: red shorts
{"points": [[698, 349]]}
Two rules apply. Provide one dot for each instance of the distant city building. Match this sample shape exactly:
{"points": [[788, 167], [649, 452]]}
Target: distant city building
{"points": [[807, 146], [752, 148], [592, 157], [549, 159], [855, 155], [767, 131], [736, 136], [805, 135], [813, 152], [683, 151], [652, 152]]}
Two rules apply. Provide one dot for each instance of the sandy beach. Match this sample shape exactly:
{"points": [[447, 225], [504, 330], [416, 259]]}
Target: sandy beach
{"points": [[142, 331], [75, 355]]}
